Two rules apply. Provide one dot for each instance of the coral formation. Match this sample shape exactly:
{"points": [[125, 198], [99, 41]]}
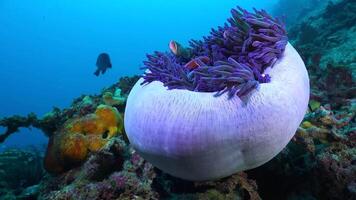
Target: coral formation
{"points": [[18, 170], [54, 120], [115, 99], [325, 37], [118, 172], [47, 124], [318, 163], [72, 144]]}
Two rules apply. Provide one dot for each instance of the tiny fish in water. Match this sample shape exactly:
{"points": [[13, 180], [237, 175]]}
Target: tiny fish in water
{"points": [[178, 50], [102, 63]]}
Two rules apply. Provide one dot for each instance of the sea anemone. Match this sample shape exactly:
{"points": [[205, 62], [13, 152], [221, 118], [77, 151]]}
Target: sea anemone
{"points": [[232, 59], [228, 103]]}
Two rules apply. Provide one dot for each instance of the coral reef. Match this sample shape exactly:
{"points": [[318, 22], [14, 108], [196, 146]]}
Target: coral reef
{"points": [[114, 172], [115, 99], [71, 145], [54, 120], [237, 186], [118, 172], [48, 124], [293, 11], [19, 169], [126, 84], [325, 37], [319, 163]]}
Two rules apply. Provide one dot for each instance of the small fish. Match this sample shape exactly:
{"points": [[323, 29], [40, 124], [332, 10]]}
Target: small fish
{"points": [[178, 50], [197, 62], [102, 63]]}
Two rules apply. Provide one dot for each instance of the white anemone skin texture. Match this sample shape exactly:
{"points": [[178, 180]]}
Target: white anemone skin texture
{"points": [[196, 136]]}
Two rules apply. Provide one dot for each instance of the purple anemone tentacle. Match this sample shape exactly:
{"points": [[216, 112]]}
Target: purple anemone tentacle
{"points": [[231, 59]]}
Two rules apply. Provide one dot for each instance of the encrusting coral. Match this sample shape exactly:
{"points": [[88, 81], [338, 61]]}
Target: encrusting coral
{"points": [[72, 144], [115, 99]]}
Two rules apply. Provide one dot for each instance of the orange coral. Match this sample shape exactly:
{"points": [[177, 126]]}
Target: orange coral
{"points": [[71, 145]]}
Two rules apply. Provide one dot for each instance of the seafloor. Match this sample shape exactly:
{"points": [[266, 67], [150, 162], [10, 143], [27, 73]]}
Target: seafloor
{"points": [[319, 162]]}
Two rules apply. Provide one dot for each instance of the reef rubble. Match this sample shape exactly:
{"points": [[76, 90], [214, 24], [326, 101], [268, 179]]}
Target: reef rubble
{"points": [[319, 162]]}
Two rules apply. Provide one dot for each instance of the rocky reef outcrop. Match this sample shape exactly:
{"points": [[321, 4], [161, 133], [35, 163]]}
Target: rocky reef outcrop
{"points": [[118, 172], [326, 37], [19, 169]]}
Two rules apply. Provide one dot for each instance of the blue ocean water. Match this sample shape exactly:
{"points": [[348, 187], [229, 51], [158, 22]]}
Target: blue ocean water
{"points": [[49, 48]]}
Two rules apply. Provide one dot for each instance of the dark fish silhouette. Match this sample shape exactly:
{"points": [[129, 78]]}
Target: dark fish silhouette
{"points": [[102, 63]]}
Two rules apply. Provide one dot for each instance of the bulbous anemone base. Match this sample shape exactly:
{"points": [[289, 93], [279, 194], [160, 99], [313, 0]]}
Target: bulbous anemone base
{"points": [[196, 136]]}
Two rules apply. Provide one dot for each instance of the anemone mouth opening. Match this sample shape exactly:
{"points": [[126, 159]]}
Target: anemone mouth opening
{"points": [[232, 59]]}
